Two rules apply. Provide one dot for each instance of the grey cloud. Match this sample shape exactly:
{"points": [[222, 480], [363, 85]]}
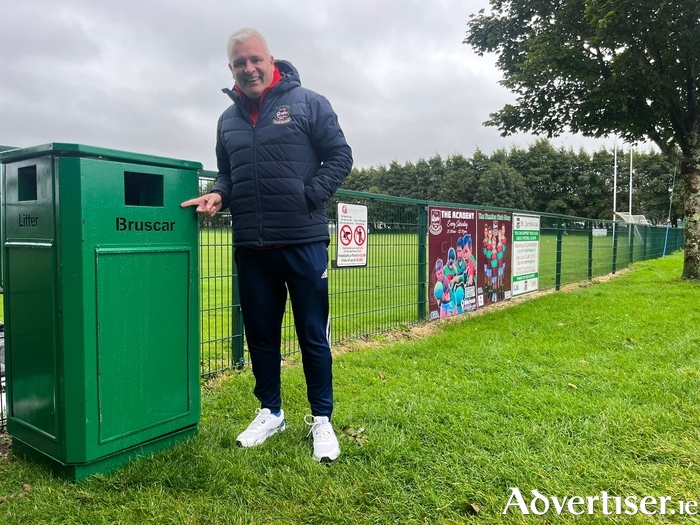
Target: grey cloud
{"points": [[146, 76], [38, 36]]}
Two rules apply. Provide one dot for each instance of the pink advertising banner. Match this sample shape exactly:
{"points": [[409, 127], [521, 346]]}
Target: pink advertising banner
{"points": [[451, 261], [493, 256]]}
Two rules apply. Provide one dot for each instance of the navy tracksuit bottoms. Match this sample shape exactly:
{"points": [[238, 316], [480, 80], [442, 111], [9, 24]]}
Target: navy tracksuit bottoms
{"points": [[264, 276]]}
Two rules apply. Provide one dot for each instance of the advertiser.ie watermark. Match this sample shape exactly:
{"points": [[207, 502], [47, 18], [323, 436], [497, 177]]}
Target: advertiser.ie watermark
{"points": [[604, 503]]}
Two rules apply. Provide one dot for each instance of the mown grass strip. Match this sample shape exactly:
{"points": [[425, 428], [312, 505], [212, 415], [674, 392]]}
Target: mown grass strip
{"points": [[595, 389]]}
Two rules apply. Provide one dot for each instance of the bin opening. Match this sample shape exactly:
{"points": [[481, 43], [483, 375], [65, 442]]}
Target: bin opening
{"points": [[143, 189], [26, 183]]}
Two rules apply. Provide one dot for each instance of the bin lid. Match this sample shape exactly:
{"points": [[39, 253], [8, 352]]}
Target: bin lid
{"points": [[62, 149]]}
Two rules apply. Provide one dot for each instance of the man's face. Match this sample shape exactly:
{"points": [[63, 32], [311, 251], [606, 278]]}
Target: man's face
{"points": [[252, 68]]}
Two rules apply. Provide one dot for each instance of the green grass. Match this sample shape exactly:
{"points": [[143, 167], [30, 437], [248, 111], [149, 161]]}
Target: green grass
{"points": [[385, 295], [573, 393]]}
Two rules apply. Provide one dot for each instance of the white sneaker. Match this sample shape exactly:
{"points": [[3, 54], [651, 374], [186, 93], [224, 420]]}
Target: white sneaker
{"points": [[326, 447], [262, 427]]}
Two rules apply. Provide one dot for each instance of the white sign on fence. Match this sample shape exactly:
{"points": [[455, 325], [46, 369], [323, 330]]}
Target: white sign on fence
{"points": [[526, 253], [352, 235]]}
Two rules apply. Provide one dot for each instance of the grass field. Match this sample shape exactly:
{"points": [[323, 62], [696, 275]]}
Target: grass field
{"points": [[571, 394], [385, 295]]}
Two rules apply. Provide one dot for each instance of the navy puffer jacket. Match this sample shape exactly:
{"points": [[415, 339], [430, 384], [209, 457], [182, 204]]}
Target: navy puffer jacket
{"points": [[276, 176]]}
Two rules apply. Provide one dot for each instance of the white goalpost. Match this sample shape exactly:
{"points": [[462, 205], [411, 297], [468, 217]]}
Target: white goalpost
{"points": [[633, 221]]}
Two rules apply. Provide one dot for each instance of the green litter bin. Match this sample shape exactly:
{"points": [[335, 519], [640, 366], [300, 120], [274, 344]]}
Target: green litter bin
{"points": [[101, 305], [2, 148]]}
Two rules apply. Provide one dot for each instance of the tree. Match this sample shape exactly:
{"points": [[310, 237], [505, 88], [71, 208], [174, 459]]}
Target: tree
{"points": [[546, 173], [602, 67], [438, 173], [420, 185], [601, 172], [359, 179], [653, 180], [206, 185], [502, 186], [460, 181]]}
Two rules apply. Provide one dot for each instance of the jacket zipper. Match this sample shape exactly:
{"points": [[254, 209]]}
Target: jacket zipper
{"points": [[257, 185], [255, 170]]}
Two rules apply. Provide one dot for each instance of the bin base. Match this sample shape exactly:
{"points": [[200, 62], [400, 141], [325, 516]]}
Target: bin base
{"points": [[107, 464]]}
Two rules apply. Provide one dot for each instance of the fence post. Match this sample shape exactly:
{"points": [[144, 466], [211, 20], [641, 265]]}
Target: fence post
{"points": [[422, 299], [614, 266], [590, 250], [647, 234], [236, 323], [631, 247], [557, 271]]}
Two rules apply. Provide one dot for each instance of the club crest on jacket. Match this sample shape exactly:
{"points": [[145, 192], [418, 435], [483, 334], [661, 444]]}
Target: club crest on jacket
{"points": [[282, 115]]}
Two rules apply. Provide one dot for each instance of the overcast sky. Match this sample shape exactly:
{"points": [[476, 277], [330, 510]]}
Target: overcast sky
{"points": [[146, 76]]}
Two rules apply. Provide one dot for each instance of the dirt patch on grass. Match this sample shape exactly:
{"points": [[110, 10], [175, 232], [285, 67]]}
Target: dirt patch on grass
{"points": [[5, 445]]}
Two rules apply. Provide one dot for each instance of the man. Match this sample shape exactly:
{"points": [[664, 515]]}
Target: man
{"points": [[281, 155]]}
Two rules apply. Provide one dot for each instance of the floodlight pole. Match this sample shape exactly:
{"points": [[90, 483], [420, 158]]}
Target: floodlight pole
{"points": [[670, 206], [631, 183], [615, 189], [614, 264], [631, 221]]}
